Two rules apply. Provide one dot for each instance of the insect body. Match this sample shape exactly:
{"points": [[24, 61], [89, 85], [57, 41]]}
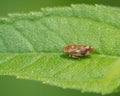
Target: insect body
{"points": [[77, 50]]}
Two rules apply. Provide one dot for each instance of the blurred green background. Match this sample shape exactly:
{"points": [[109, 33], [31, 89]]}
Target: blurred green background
{"points": [[19, 6], [10, 86]]}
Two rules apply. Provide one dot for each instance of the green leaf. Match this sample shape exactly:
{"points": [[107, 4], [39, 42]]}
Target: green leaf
{"points": [[31, 47]]}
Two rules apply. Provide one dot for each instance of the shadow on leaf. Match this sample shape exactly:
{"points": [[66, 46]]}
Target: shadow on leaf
{"points": [[70, 58]]}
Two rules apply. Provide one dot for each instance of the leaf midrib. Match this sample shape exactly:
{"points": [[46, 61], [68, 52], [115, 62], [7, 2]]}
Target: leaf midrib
{"points": [[60, 52]]}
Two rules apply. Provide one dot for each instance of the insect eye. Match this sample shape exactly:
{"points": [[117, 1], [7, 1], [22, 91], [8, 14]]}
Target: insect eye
{"points": [[91, 49]]}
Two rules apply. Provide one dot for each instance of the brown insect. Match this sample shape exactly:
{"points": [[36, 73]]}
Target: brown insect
{"points": [[77, 50]]}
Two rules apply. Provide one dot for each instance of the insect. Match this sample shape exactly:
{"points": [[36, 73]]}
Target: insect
{"points": [[77, 50]]}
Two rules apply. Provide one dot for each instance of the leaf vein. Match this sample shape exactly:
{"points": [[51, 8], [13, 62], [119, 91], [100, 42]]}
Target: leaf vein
{"points": [[8, 59], [53, 31], [25, 39]]}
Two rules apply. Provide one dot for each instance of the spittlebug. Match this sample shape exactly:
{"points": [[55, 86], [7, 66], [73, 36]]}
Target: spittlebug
{"points": [[77, 50]]}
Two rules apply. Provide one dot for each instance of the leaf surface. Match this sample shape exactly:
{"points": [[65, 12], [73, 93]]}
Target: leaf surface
{"points": [[31, 47]]}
